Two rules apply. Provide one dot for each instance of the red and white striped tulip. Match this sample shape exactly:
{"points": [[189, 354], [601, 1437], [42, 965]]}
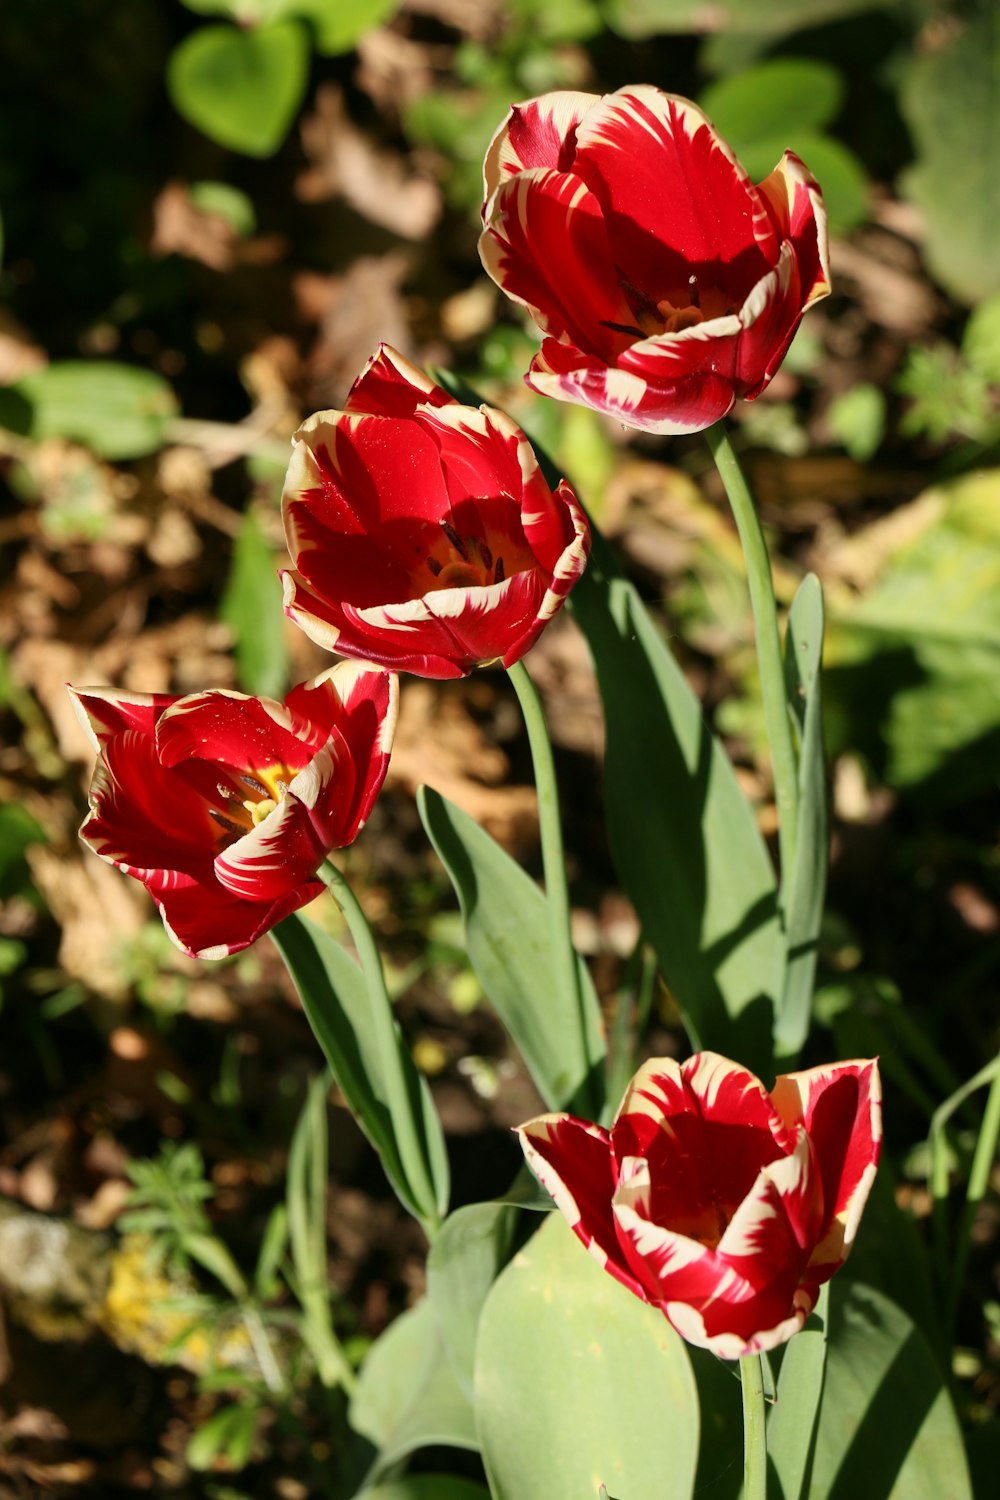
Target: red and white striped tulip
{"points": [[224, 806], [665, 282], [725, 1206], [423, 533]]}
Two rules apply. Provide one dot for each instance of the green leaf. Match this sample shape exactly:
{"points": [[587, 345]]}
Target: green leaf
{"points": [[464, 1261], [807, 887], [579, 1383], [261, 651], [981, 340], [950, 101], [776, 98], [886, 1426], [241, 88], [228, 1433], [507, 936], [339, 24], [407, 1396], [18, 831], [335, 999], [683, 836], [642, 18], [792, 1421], [119, 411]]}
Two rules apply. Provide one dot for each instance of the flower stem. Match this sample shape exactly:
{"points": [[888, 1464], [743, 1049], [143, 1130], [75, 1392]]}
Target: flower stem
{"points": [[564, 956], [983, 1159], [754, 1433], [402, 1107], [768, 640]]}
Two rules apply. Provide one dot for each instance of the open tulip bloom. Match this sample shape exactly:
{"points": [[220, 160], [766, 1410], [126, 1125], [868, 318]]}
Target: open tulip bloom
{"points": [[225, 806], [725, 1206], [423, 533], [665, 282]]}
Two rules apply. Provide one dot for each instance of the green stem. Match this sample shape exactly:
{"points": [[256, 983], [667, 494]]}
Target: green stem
{"points": [[754, 1432], [402, 1108], [564, 955], [979, 1176], [768, 639]]}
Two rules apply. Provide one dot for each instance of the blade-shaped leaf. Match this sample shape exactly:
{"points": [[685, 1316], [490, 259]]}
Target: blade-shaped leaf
{"points": [[579, 1384], [792, 1421], [261, 652], [407, 1396], [507, 936], [426, 1487], [683, 836], [807, 887], [335, 999], [887, 1425], [463, 1264]]}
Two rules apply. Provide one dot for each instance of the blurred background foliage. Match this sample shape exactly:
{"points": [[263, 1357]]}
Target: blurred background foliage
{"points": [[211, 213]]}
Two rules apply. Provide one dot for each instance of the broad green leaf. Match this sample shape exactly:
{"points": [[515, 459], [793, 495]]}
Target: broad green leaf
{"points": [[261, 651], [507, 937], [981, 340], [793, 1418], [642, 18], [951, 103], [887, 1426], [579, 1383], [335, 999], [118, 411], [241, 88], [683, 836], [463, 1264], [339, 24], [806, 888], [407, 1396], [777, 97]]}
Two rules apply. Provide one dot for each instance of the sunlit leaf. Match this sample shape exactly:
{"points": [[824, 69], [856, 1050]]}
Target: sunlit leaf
{"points": [[119, 411], [251, 607], [464, 1261], [241, 88], [579, 1383]]}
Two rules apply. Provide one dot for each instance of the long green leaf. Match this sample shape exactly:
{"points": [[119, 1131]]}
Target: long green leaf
{"points": [[791, 1426], [261, 652], [578, 1383], [807, 887], [507, 936], [335, 1000], [683, 836]]}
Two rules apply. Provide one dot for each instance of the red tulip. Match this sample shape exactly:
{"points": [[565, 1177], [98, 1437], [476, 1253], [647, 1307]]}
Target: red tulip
{"points": [[423, 533], [666, 284], [723, 1205], [225, 806]]}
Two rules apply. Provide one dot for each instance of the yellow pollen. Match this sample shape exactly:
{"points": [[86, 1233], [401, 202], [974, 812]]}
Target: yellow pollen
{"points": [[259, 810]]}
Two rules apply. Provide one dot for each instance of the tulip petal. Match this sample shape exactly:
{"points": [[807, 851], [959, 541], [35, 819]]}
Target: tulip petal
{"points": [[792, 196], [536, 133], [676, 201], [205, 921], [104, 712], [546, 245], [840, 1106], [390, 386], [229, 729], [143, 820], [572, 1159], [688, 402]]}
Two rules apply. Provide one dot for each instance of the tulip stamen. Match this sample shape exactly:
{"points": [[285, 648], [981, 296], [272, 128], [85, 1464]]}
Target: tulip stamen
{"points": [[226, 824], [434, 566], [254, 784], [695, 294], [456, 541], [626, 328], [498, 572]]}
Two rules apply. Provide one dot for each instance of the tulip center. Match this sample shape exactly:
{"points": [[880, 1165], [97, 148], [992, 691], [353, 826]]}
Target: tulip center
{"points": [[460, 560], [246, 798], [656, 315]]}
